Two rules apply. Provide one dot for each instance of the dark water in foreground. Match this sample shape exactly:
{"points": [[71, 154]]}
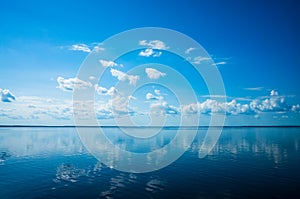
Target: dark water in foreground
{"points": [[245, 163]]}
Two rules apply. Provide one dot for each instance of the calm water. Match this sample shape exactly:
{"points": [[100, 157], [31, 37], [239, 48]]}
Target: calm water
{"points": [[245, 163]]}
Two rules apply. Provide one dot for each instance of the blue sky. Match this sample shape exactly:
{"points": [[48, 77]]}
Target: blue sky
{"points": [[254, 43]]}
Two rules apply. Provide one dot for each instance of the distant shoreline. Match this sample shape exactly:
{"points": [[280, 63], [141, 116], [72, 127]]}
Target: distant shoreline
{"points": [[71, 126]]}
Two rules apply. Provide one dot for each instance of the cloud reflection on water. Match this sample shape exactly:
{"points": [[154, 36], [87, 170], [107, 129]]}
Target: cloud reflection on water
{"points": [[41, 142]]}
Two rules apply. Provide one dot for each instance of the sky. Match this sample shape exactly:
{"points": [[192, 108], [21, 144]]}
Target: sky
{"points": [[253, 44]]}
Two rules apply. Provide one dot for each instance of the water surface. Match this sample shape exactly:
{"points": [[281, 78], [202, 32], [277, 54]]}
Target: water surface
{"points": [[245, 163]]}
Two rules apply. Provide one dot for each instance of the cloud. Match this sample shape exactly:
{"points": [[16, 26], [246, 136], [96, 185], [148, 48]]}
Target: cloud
{"points": [[150, 96], [154, 44], [85, 47], [214, 96], [80, 47], [7, 96], [106, 63], [254, 89], [199, 59], [35, 109], [104, 91], [219, 63], [98, 49], [92, 77], [213, 106], [119, 105], [156, 96], [162, 108], [150, 52], [72, 83], [272, 103], [296, 108], [189, 50], [153, 73], [274, 93], [157, 92], [123, 76]]}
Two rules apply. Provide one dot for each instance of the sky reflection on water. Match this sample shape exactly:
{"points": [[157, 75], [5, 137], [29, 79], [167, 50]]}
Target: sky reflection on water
{"points": [[49, 162]]}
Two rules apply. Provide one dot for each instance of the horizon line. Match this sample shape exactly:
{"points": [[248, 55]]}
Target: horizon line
{"points": [[74, 126]]}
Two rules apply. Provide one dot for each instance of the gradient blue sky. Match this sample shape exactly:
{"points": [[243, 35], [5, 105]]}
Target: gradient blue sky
{"points": [[256, 44]]}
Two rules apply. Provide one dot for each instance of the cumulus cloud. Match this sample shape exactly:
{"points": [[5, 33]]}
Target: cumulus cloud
{"points": [[104, 91], [150, 52], [7, 96], [119, 105], [213, 106], [106, 63], [124, 76], [152, 44], [80, 47], [153, 73], [272, 103], [150, 96], [162, 108], [156, 96], [72, 83], [85, 47]]}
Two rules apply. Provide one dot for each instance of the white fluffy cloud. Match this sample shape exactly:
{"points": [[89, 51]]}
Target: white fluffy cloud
{"points": [[150, 96], [213, 106], [272, 103], [153, 73], [6, 95], [269, 105], [80, 47], [162, 108], [85, 47], [120, 104], [106, 63], [154, 44], [72, 83], [124, 76], [104, 91], [150, 52], [156, 96]]}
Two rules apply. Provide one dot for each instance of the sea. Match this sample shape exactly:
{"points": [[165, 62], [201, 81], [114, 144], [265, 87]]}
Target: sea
{"points": [[243, 162]]}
